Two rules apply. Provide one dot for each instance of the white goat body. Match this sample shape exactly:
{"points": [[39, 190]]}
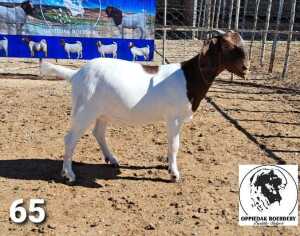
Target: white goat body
{"points": [[107, 49], [38, 46], [134, 21], [73, 48], [136, 51]]}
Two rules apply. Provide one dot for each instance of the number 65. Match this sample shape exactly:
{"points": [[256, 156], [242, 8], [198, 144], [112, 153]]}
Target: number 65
{"points": [[36, 218]]}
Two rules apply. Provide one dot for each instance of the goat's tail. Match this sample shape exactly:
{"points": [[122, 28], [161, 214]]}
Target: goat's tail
{"points": [[59, 71]]}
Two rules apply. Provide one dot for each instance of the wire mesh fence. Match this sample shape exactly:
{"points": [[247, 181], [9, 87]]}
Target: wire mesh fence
{"points": [[270, 29]]}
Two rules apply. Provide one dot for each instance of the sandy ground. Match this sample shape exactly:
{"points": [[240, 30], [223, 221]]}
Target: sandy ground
{"points": [[261, 125]]}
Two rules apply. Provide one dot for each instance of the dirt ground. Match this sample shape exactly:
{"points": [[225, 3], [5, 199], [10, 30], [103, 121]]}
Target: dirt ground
{"points": [[261, 125]]}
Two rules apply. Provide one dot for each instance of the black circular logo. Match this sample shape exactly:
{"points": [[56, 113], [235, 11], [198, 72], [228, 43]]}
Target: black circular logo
{"points": [[268, 190]]}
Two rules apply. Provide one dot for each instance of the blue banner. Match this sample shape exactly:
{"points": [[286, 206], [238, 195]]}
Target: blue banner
{"points": [[77, 29]]}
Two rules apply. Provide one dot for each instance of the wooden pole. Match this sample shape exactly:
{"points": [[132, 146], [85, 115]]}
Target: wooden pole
{"points": [[230, 14], [244, 14], [265, 34], [237, 15], [254, 27], [199, 15], [279, 14], [213, 13], [165, 33], [204, 18], [40, 64], [290, 36], [223, 13], [218, 13]]}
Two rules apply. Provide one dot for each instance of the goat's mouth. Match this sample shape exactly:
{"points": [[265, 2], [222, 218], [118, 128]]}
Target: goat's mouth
{"points": [[241, 74]]}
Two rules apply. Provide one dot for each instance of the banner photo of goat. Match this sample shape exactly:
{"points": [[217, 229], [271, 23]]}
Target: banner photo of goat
{"points": [[77, 29]]}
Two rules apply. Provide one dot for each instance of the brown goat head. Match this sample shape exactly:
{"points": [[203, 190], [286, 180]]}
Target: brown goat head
{"points": [[226, 51], [115, 13], [234, 54]]}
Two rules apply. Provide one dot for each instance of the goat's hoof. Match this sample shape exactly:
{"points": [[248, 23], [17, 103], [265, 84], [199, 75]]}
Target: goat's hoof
{"points": [[69, 176], [174, 178], [113, 161]]}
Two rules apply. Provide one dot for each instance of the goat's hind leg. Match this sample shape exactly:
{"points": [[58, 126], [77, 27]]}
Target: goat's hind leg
{"points": [[80, 122], [99, 133]]}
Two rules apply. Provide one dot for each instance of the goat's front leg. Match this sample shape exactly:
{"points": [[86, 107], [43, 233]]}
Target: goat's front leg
{"points": [[173, 132], [99, 133]]}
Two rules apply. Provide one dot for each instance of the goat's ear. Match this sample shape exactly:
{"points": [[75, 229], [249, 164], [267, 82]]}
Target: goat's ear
{"points": [[233, 38]]}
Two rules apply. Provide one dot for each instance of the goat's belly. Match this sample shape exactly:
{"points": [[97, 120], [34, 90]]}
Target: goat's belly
{"points": [[143, 111], [133, 118], [123, 113]]}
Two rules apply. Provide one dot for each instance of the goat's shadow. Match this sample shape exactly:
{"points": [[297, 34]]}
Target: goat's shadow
{"points": [[49, 170]]}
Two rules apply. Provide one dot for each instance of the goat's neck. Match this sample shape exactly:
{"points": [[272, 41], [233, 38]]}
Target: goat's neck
{"points": [[200, 72]]}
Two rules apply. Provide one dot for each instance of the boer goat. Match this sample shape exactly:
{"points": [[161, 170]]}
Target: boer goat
{"points": [[107, 49], [72, 48], [136, 51], [117, 91], [13, 19], [134, 21], [36, 46]]}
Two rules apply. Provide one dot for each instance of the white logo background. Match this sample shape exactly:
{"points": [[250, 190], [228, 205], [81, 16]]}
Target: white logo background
{"points": [[288, 190]]}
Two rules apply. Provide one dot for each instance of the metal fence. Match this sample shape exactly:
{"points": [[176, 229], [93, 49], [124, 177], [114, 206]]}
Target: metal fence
{"points": [[269, 34]]}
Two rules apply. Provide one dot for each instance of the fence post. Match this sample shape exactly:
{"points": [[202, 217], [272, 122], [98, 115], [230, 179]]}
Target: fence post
{"points": [[204, 18], [223, 13], [165, 33], [254, 27], [40, 64], [213, 13], [291, 27], [265, 34], [279, 14], [208, 17], [199, 16], [230, 14], [218, 14], [237, 15], [195, 17], [244, 15]]}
